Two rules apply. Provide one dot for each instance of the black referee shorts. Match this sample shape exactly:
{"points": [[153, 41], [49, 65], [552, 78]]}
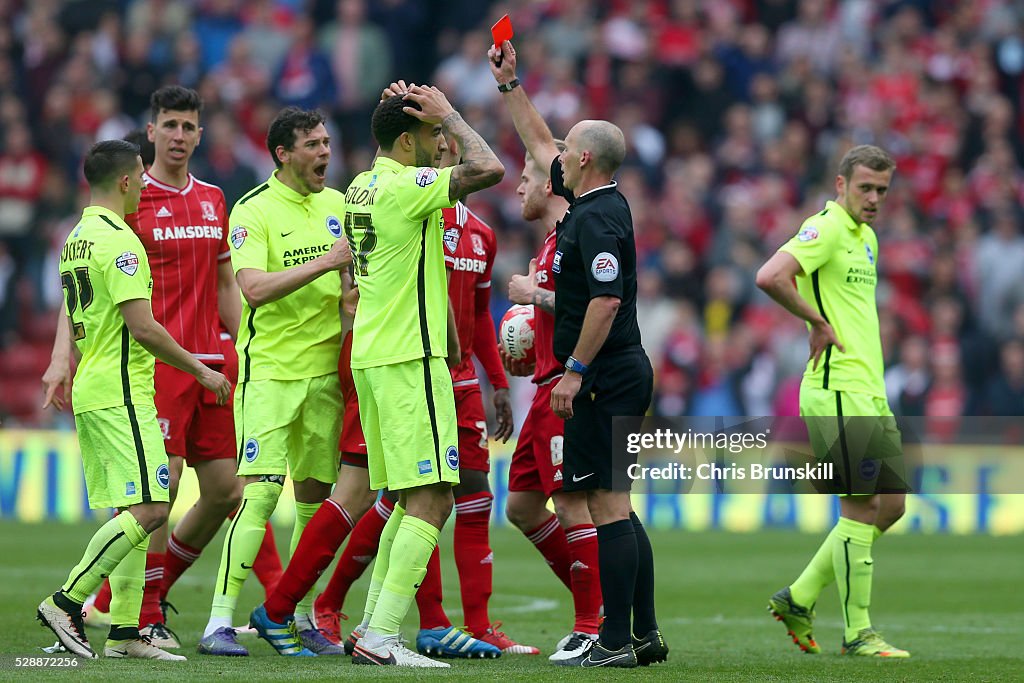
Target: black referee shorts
{"points": [[617, 384]]}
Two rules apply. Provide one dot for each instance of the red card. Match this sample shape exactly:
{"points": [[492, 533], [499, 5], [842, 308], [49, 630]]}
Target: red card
{"points": [[501, 31]]}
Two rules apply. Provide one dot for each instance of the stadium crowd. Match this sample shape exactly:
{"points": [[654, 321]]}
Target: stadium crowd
{"points": [[733, 112]]}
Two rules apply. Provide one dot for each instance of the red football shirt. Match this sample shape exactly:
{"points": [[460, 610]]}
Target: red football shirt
{"points": [[543, 322], [470, 247], [184, 233]]}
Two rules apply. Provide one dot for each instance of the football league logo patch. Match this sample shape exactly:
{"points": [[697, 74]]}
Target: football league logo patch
{"points": [[163, 476], [425, 176], [452, 457], [556, 263], [334, 226], [605, 267], [871, 255], [451, 239], [252, 450], [807, 234], [238, 235], [127, 263]]}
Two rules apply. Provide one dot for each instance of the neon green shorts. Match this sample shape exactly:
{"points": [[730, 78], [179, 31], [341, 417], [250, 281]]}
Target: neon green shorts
{"points": [[289, 427], [123, 456], [408, 415], [858, 433]]}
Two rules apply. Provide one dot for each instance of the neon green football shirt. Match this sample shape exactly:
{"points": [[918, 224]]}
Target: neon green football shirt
{"points": [[395, 228], [839, 259], [103, 264], [274, 228]]}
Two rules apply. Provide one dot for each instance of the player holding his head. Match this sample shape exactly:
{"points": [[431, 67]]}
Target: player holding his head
{"points": [[843, 379], [401, 334], [470, 249], [107, 284], [287, 251], [566, 539]]}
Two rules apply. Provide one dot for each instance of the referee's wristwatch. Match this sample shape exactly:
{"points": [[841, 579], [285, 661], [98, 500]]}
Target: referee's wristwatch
{"points": [[573, 365], [510, 86]]}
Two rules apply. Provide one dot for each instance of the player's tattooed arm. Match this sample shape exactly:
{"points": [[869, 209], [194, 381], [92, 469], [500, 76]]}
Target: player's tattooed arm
{"points": [[545, 299], [480, 167]]}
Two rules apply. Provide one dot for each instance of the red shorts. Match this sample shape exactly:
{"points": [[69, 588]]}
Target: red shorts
{"points": [[537, 462], [474, 453], [193, 425], [352, 443]]}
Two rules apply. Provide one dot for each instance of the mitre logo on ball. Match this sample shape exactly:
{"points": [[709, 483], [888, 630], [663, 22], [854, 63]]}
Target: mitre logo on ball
{"points": [[517, 332]]}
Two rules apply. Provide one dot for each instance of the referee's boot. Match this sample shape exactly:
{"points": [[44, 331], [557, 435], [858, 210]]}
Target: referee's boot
{"points": [[650, 649], [595, 654]]}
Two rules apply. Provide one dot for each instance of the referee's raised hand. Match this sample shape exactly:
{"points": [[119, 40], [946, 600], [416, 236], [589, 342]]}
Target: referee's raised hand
{"points": [[505, 70]]}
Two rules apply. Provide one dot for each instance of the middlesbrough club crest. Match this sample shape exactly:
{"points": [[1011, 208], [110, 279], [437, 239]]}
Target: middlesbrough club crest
{"points": [[209, 212], [478, 245]]}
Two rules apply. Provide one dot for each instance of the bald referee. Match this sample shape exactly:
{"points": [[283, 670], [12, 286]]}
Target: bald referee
{"points": [[607, 372]]}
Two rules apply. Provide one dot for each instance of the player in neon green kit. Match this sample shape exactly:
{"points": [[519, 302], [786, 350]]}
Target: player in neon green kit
{"points": [[401, 335], [107, 285], [287, 251], [833, 259]]}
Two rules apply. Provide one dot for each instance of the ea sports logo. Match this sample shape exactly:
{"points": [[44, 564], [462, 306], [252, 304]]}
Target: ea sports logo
{"points": [[163, 476], [452, 457], [252, 449], [605, 267], [334, 226]]}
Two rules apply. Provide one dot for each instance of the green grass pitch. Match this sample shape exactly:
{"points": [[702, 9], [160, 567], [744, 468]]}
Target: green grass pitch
{"points": [[953, 601]]}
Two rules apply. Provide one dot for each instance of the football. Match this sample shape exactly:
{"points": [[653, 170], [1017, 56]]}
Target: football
{"points": [[516, 332]]}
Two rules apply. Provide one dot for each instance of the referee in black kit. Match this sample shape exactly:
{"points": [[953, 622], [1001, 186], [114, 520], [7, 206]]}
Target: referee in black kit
{"points": [[607, 372]]}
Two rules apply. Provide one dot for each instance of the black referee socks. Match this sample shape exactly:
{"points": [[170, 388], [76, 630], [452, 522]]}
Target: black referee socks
{"points": [[644, 620], [618, 558]]}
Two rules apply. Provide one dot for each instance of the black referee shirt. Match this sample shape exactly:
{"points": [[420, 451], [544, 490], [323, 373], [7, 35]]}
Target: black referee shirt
{"points": [[595, 256]]}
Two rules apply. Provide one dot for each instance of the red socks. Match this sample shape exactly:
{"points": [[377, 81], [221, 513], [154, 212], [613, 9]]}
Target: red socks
{"points": [[549, 538], [356, 557], [428, 597], [177, 559], [586, 582], [150, 612], [474, 558], [320, 541]]}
